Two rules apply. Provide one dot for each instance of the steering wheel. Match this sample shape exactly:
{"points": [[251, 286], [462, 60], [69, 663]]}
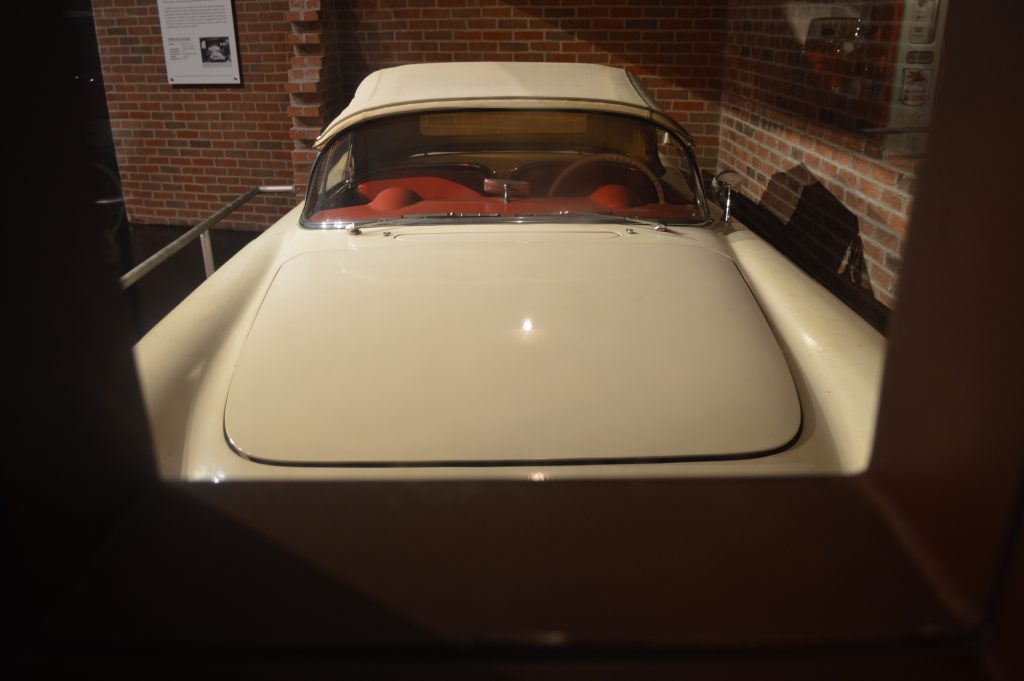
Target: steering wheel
{"points": [[616, 158]]}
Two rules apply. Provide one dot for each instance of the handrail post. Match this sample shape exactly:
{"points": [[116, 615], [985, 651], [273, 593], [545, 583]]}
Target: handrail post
{"points": [[205, 245]]}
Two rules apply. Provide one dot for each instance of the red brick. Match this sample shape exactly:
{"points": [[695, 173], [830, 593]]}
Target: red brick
{"points": [[884, 175], [304, 39], [893, 200], [302, 16]]}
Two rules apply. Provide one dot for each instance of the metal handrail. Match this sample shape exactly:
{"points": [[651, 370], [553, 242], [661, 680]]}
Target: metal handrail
{"points": [[200, 231]]}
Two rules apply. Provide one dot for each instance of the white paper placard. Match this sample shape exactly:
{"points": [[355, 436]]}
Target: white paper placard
{"points": [[200, 47]]}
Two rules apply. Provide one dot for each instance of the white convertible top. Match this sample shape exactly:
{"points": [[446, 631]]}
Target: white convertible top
{"points": [[497, 85]]}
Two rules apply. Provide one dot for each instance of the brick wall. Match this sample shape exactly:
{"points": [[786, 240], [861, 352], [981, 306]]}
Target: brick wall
{"points": [[728, 70], [675, 47], [793, 127], [314, 79], [185, 151]]}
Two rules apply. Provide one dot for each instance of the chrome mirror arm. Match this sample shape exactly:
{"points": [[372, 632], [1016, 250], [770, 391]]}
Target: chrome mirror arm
{"points": [[722, 185], [727, 207]]}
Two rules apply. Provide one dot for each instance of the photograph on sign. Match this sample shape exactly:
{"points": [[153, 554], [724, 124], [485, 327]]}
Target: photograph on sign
{"points": [[200, 47]]}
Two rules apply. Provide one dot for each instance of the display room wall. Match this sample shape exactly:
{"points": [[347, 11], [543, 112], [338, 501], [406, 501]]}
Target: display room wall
{"points": [[761, 95]]}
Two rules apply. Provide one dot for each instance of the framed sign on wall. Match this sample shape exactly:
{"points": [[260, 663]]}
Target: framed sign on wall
{"points": [[200, 45]]}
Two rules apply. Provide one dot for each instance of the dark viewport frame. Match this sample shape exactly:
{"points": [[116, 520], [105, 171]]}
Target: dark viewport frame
{"points": [[914, 568]]}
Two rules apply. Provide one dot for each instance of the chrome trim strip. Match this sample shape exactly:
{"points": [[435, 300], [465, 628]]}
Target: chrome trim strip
{"points": [[356, 226]]}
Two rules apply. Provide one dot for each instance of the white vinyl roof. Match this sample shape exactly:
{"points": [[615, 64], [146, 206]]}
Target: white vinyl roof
{"points": [[498, 85]]}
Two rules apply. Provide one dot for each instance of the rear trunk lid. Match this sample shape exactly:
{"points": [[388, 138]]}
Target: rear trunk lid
{"points": [[501, 347]]}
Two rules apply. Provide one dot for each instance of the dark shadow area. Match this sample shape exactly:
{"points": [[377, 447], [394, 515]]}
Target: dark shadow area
{"points": [[252, 592], [101, 180], [349, 61], [821, 235], [161, 290], [340, 58], [935, 665]]}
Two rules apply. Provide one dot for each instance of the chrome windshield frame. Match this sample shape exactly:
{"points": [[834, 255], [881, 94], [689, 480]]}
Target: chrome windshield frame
{"points": [[353, 226], [357, 226]]}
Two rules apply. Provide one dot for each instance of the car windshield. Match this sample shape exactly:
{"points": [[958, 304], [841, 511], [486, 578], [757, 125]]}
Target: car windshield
{"points": [[504, 164]]}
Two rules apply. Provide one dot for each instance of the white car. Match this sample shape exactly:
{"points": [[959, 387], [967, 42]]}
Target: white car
{"points": [[508, 271]]}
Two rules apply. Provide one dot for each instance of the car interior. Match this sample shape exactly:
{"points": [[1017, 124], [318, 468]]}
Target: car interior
{"points": [[610, 164]]}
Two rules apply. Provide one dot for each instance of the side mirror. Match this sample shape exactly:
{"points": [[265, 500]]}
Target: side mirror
{"points": [[721, 186]]}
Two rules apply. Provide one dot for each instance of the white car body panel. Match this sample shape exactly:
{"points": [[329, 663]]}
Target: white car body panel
{"points": [[480, 343], [187, 363]]}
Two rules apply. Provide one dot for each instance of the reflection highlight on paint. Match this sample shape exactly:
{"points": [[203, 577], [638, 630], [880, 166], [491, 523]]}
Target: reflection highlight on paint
{"points": [[809, 342]]}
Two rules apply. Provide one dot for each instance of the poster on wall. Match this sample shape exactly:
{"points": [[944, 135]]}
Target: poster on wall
{"points": [[200, 47], [915, 66]]}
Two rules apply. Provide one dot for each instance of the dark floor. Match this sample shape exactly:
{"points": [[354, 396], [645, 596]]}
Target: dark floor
{"points": [[161, 290]]}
